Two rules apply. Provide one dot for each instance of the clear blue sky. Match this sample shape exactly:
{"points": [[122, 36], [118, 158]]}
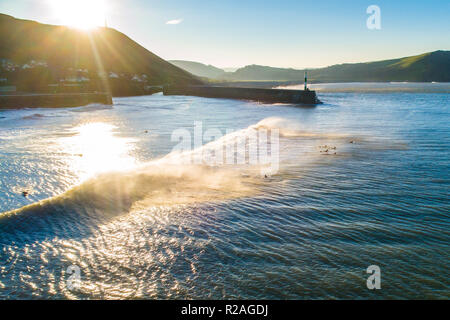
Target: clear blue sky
{"points": [[289, 33]]}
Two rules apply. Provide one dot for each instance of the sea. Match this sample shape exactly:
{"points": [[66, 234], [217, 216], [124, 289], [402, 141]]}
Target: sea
{"points": [[120, 202]]}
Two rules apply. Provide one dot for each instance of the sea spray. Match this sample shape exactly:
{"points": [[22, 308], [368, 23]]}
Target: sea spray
{"points": [[177, 179]]}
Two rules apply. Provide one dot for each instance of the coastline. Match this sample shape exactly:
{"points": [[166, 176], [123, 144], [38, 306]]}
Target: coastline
{"points": [[20, 100], [267, 84]]}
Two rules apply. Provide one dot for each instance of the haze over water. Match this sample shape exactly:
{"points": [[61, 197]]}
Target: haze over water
{"points": [[138, 226]]}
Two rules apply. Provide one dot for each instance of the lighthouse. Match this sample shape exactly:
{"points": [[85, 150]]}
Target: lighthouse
{"points": [[306, 80]]}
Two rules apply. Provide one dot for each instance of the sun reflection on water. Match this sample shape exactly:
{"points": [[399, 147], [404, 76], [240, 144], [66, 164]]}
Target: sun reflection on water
{"points": [[96, 149]]}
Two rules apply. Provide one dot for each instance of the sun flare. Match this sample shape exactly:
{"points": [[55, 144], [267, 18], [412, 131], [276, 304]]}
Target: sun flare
{"points": [[96, 149], [80, 14]]}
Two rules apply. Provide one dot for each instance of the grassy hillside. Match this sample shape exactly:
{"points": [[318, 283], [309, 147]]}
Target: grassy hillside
{"points": [[199, 69], [433, 66], [59, 52]]}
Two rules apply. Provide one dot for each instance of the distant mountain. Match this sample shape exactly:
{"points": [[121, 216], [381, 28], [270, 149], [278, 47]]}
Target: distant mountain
{"points": [[256, 72], [230, 69], [432, 66], [48, 54], [199, 69]]}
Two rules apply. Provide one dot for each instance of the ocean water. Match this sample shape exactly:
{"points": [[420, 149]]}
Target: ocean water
{"points": [[109, 200]]}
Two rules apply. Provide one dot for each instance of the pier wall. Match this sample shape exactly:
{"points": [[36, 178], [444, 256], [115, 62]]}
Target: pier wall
{"points": [[255, 94], [59, 100]]}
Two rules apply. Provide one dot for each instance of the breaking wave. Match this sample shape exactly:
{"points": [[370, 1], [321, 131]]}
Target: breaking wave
{"points": [[175, 180]]}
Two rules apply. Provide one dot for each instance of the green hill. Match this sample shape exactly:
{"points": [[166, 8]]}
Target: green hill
{"points": [[41, 54], [199, 69], [428, 67], [433, 66]]}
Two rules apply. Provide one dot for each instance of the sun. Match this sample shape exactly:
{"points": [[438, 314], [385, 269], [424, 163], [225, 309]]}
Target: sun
{"points": [[80, 14]]}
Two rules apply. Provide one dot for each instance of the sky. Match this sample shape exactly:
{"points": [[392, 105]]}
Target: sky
{"points": [[282, 33]]}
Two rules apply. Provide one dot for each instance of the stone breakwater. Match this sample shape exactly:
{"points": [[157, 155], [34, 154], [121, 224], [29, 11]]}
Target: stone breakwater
{"points": [[17, 101], [254, 94]]}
